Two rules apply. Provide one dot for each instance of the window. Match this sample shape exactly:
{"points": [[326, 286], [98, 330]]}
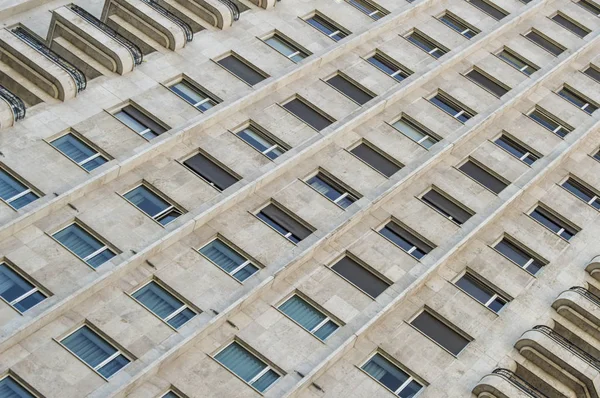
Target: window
{"points": [[242, 69], [578, 100], [570, 26], [197, 98], [334, 191], [210, 171], [483, 176], [261, 141], [350, 89], [283, 223], [592, 72], [426, 44], [10, 388], [451, 107], [545, 43], [516, 149], [284, 46], [392, 377], [520, 256], [307, 316], [590, 6], [247, 366], [458, 25], [517, 62], [94, 350], [307, 114], [140, 123], [79, 152], [582, 192], [597, 156], [553, 223], [440, 332], [330, 29], [487, 83], [360, 277], [446, 207], [375, 159], [171, 394], [368, 8], [18, 291], [405, 240], [15, 192], [415, 133], [84, 245], [549, 122], [164, 305], [489, 9], [481, 292], [388, 66], [152, 204], [229, 260]]}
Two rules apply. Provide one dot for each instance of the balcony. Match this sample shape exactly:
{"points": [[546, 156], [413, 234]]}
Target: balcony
{"points": [[593, 267], [16, 105], [581, 307], [505, 383], [185, 27]]}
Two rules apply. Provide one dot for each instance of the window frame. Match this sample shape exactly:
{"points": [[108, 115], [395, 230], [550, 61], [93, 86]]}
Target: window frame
{"points": [[99, 152], [374, 149], [213, 160], [411, 231], [352, 82], [401, 70], [427, 40], [563, 223], [571, 20], [549, 40], [514, 54], [378, 10], [577, 180], [238, 57], [464, 110], [30, 188], [523, 148], [317, 307], [339, 28], [364, 265], [196, 87], [310, 105], [487, 170], [490, 78], [491, 5], [287, 41], [334, 183], [156, 218], [249, 260], [37, 287], [290, 214], [458, 21], [594, 67], [561, 125], [394, 362], [579, 96], [113, 112], [533, 257], [429, 133], [22, 383], [446, 322], [592, 4], [479, 280], [265, 134], [450, 199]]}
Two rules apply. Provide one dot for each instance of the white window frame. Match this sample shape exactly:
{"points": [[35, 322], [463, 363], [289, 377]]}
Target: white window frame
{"points": [[292, 46], [319, 174], [317, 327], [525, 251], [409, 251], [259, 132], [524, 156], [589, 202], [183, 307], [518, 57], [557, 129], [15, 379], [493, 298], [157, 216], [451, 103], [587, 102], [410, 379]]}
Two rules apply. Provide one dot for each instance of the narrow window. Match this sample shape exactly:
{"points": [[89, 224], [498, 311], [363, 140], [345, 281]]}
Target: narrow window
{"points": [[210, 171], [458, 25], [481, 292], [487, 83], [84, 245], [79, 152], [140, 123], [308, 114], [283, 223], [582, 192], [375, 159], [330, 29], [350, 89], [405, 240], [262, 142], [446, 207], [392, 377], [553, 223], [309, 317], [545, 43], [152, 204], [440, 332], [520, 256], [332, 190], [360, 277], [285, 47], [517, 62], [388, 66], [10, 388], [592, 72], [242, 69], [18, 291], [229, 260], [516, 149], [14, 192], [570, 26], [489, 9], [482, 176], [597, 156], [578, 100], [426, 44], [94, 350], [367, 8], [164, 305], [195, 97], [247, 366], [451, 107], [415, 133], [171, 394], [590, 6], [549, 122]]}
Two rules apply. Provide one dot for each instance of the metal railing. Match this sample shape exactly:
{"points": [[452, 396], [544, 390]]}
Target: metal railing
{"points": [[519, 382], [16, 104], [563, 341], [233, 8], [134, 50], [76, 74], [587, 294], [187, 29]]}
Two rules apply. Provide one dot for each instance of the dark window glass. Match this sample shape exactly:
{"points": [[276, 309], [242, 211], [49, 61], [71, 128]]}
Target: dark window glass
{"points": [[489, 9], [481, 292], [591, 7], [480, 175], [332, 190], [307, 114], [553, 223], [261, 142], [283, 46], [388, 67], [394, 378], [242, 70], [593, 73], [375, 160], [153, 205], [517, 62], [10, 388], [446, 207], [597, 155], [576, 29], [544, 43], [582, 103], [582, 192], [452, 108], [487, 83], [345, 86], [360, 277], [193, 96], [519, 256], [405, 240], [516, 149], [426, 44], [140, 123], [415, 133], [457, 25], [549, 122], [17, 291], [327, 28], [367, 8], [283, 223], [439, 332], [214, 174]]}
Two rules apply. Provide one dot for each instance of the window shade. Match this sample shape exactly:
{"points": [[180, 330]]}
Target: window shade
{"points": [[10, 187], [446, 206], [285, 221], [387, 373], [483, 177], [13, 286], [9, 388], [309, 317], [486, 82], [351, 90], [488, 9], [439, 332], [210, 171], [228, 259], [376, 160], [147, 201], [407, 239], [308, 114], [359, 276], [241, 70], [143, 119], [163, 304], [247, 366], [83, 244]]}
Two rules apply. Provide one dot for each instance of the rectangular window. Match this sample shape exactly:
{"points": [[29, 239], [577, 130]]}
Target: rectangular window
{"points": [[440, 332], [94, 350], [415, 133], [14, 192], [392, 377], [458, 25], [242, 69], [451, 107], [164, 305], [592, 72], [229, 260], [18, 291], [487, 83], [84, 245], [597, 156], [152, 204], [139, 122], [171, 394], [262, 142], [330, 29], [367, 8], [582, 192], [570, 26], [332, 190], [483, 176], [247, 366], [578, 100], [405, 240], [388, 66], [492, 10], [516, 149], [545, 43], [79, 152], [195, 97], [590, 6], [481, 292], [10, 388], [517, 62], [549, 122], [210, 171], [308, 114], [350, 89], [426, 44], [283, 223], [285, 47], [309, 317], [375, 159], [553, 223], [446, 207], [520, 256], [360, 277]]}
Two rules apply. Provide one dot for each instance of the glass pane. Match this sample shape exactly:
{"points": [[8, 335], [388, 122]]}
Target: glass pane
{"points": [[403, 243], [94, 163], [409, 130], [101, 258], [439, 332], [11, 389], [410, 390], [445, 105], [73, 148], [326, 330], [275, 153], [281, 46], [578, 190], [265, 380], [386, 372], [23, 200], [323, 187], [12, 285], [302, 312], [474, 288], [497, 305], [222, 255], [514, 253], [9, 186], [321, 25], [130, 122], [78, 240], [241, 362], [158, 300], [245, 272], [29, 302], [254, 138], [178, 320], [168, 217], [188, 93], [113, 366], [146, 200], [88, 346]]}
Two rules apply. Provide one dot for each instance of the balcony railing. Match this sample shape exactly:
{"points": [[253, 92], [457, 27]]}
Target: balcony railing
{"points": [[519, 383], [76, 74], [587, 294], [189, 34], [233, 8], [16, 104], [134, 50], [560, 339]]}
